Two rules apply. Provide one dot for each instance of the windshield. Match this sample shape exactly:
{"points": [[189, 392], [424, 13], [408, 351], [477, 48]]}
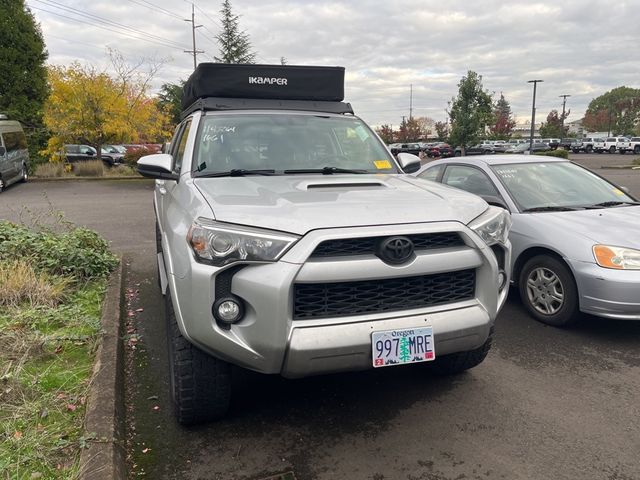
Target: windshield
{"points": [[282, 142], [561, 184]]}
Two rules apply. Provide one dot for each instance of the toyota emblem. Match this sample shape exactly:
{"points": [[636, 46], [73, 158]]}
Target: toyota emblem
{"points": [[395, 250]]}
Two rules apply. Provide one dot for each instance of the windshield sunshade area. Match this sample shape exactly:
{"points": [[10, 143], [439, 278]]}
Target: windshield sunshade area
{"points": [[293, 143], [537, 186]]}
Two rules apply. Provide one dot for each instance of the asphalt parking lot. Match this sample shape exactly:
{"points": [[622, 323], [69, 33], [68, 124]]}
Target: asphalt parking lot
{"points": [[546, 404]]}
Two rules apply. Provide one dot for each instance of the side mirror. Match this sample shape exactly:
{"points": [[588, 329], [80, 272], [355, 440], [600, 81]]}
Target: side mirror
{"points": [[157, 166], [408, 162], [495, 201], [2, 151], [624, 189]]}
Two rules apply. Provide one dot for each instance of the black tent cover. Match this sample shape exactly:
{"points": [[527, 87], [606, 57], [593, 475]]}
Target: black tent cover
{"points": [[282, 82]]}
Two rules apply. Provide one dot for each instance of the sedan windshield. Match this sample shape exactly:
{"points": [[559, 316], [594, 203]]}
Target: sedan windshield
{"points": [[557, 184], [288, 144]]}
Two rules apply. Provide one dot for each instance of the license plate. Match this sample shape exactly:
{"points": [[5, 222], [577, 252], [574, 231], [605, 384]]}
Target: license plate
{"points": [[398, 347]]}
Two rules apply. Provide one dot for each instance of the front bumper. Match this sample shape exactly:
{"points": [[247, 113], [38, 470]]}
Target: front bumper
{"points": [[269, 340], [608, 293]]}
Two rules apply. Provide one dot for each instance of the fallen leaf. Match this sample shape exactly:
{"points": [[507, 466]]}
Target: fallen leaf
{"points": [[71, 407], [17, 435], [140, 310], [156, 407], [145, 450]]}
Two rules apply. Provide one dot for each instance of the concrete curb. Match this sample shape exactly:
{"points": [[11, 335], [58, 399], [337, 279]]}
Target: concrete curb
{"points": [[105, 457], [83, 179]]}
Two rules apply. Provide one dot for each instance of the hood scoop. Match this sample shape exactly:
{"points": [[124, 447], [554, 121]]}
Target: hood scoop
{"points": [[350, 185]]}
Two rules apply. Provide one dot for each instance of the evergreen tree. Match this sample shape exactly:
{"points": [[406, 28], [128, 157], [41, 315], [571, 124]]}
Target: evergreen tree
{"points": [[504, 122], [470, 111], [442, 130], [235, 46], [170, 100], [23, 75], [386, 133]]}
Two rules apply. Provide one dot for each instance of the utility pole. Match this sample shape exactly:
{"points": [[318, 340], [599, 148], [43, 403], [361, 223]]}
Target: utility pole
{"points": [[533, 113], [195, 52], [411, 101], [564, 103]]}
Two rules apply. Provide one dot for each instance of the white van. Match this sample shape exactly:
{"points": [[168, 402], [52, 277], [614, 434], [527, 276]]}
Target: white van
{"points": [[14, 156]]}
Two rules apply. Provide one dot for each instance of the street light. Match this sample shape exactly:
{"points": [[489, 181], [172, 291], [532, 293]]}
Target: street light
{"points": [[533, 113]]}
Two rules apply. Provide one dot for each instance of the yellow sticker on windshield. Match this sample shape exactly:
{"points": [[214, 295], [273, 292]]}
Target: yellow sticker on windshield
{"points": [[382, 164], [618, 191]]}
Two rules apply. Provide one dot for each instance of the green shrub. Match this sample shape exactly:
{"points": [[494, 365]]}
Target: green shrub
{"points": [[89, 168], [79, 253], [560, 153], [49, 170]]}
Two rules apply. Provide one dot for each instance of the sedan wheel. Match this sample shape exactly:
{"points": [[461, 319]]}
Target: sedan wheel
{"points": [[548, 291]]}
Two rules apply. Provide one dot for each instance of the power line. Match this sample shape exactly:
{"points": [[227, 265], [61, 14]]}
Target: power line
{"points": [[128, 31], [153, 6]]}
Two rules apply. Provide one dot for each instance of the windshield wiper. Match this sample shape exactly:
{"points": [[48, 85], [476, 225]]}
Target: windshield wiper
{"points": [[550, 208], [237, 172], [325, 170], [614, 203]]}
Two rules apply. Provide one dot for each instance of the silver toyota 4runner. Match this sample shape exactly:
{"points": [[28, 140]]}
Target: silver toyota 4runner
{"points": [[290, 241]]}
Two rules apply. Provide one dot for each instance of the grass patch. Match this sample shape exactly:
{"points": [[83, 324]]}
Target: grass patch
{"points": [[20, 283], [52, 283], [636, 161], [50, 170], [89, 168], [46, 357]]}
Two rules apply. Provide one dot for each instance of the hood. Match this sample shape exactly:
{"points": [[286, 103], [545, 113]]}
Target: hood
{"points": [[616, 226], [301, 203]]}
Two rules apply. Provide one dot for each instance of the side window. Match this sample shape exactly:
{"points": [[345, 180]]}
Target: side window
{"points": [[470, 179], [180, 147], [431, 173]]}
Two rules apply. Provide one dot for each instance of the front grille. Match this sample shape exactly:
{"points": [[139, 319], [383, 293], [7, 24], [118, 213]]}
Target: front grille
{"points": [[367, 245], [321, 300]]}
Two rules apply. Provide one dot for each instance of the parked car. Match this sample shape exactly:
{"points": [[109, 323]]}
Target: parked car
{"points": [[568, 143], [524, 147], [500, 146], [412, 148], [609, 144], [623, 145], [575, 235], [480, 149], [553, 143], [585, 144], [112, 154], [294, 243], [14, 155], [440, 150], [77, 153], [634, 145]]}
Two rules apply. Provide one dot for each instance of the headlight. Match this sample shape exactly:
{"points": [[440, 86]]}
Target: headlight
{"points": [[222, 243], [617, 257], [493, 225]]}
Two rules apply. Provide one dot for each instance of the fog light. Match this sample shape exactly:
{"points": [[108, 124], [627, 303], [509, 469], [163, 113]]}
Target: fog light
{"points": [[502, 279], [228, 310]]}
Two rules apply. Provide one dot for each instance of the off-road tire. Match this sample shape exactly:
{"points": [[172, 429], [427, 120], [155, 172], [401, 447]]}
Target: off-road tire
{"points": [[636, 149], [612, 149], [200, 383], [589, 149], [455, 363], [568, 312]]}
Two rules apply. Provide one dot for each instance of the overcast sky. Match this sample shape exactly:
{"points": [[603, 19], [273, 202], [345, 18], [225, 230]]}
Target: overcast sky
{"points": [[578, 47]]}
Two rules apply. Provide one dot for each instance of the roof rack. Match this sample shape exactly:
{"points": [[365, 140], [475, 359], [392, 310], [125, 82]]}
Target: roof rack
{"points": [[219, 103]]}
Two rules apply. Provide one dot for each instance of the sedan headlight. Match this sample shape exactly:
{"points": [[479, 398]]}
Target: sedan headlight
{"points": [[493, 225], [220, 244], [617, 257]]}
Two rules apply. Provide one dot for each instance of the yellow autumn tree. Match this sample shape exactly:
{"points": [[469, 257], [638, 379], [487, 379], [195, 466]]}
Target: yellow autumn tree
{"points": [[92, 107]]}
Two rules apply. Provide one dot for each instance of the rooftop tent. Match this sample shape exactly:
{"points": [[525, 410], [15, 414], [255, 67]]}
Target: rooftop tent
{"points": [[278, 82]]}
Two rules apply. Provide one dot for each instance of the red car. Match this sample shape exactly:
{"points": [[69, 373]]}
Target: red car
{"points": [[440, 150]]}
